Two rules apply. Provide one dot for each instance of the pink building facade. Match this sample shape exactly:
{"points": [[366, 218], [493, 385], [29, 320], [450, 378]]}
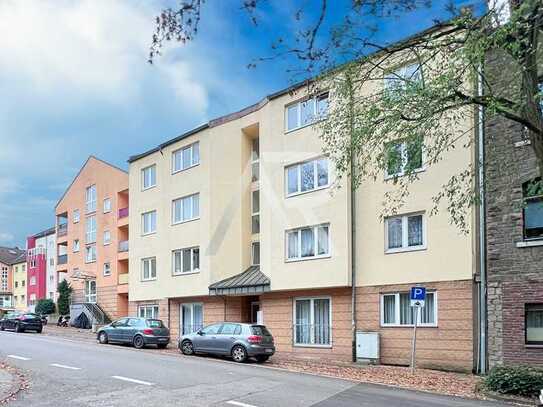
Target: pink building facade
{"points": [[40, 262]]}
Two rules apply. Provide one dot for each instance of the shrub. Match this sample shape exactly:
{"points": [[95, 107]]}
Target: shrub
{"points": [[45, 307], [524, 381], [64, 297]]}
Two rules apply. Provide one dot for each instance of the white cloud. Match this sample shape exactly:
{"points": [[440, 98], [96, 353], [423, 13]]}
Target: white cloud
{"points": [[6, 237]]}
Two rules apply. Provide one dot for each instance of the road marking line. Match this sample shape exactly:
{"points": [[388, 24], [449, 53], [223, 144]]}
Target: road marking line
{"points": [[238, 403], [18, 357], [128, 379], [65, 366]]}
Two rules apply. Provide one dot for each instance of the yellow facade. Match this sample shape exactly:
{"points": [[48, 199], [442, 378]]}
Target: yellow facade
{"points": [[19, 286]]}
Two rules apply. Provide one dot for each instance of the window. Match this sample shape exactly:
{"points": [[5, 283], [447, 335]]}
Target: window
{"points": [[148, 311], [90, 236], [107, 205], [186, 260], [33, 280], [107, 269], [306, 112], [255, 253], [312, 318], [16, 284], [185, 209], [90, 199], [396, 309], [76, 245], [148, 269], [90, 254], [403, 157], [534, 324], [186, 157], [308, 242], [107, 237], [212, 329], [255, 212], [402, 78], [230, 329], [148, 222], [90, 291], [255, 160], [76, 216], [192, 318], [533, 209], [404, 233], [148, 177], [307, 176], [51, 262], [23, 283]]}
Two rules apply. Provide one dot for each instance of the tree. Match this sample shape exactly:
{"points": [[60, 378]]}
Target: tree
{"points": [[45, 307], [64, 297], [429, 104]]}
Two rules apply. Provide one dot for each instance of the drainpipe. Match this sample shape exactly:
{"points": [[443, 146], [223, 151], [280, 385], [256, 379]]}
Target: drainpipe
{"points": [[482, 360]]}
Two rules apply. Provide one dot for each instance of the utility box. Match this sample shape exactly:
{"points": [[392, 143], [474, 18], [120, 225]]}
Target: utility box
{"points": [[367, 347]]}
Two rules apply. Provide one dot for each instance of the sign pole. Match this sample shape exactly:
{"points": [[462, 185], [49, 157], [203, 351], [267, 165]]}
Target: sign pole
{"points": [[414, 345]]}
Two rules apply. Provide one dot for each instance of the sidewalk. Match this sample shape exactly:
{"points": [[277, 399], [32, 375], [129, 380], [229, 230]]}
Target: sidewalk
{"points": [[11, 382], [434, 381]]}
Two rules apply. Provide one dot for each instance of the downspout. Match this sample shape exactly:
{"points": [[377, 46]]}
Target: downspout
{"points": [[482, 360]]}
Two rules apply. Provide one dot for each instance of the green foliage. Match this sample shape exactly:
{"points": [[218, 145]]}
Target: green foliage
{"points": [[524, 381], [45, 307], [64, 297]]}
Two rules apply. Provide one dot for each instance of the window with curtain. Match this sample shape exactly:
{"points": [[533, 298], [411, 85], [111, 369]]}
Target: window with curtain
{"points": [[192, 318], [403, 233], [148, 268], [307, 176], [312, 321], [533, 209], [534, 324], [186, 157], [308, 242], [148, 311], [186, 208], [396, 310]]}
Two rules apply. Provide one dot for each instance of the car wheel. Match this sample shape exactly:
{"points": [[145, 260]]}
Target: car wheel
{"points": [[239, 354], [102, 338], [138, 342], [2, 327], [262, 358], [39, 330], [18, 328], [187, 348]]}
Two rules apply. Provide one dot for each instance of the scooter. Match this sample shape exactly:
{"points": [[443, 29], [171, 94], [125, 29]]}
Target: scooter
{"points": [[63, 321]]}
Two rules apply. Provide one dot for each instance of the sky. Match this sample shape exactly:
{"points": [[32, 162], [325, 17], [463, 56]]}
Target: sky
{"points": [[74, 82]]}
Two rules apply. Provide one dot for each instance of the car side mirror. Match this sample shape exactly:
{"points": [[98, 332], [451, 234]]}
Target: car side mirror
{"points": [[201, 333], [113, 325]]}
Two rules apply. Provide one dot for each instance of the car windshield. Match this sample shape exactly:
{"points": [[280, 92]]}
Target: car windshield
{"points": [[155, 323], [260, 330], [31, 316]]}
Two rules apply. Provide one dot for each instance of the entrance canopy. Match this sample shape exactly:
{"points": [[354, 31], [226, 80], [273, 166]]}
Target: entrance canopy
{"points": [[251, 281]]}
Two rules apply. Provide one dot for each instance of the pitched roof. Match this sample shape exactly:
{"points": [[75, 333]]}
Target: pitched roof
{"points": [[251, 280], [12, 255]]}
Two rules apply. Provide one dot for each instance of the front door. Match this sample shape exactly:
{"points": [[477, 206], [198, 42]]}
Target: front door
{"points": [[90, 291], [255, 309]]}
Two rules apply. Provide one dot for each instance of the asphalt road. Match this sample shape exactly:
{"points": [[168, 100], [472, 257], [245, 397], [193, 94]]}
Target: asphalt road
{"points": [[69, 373]]}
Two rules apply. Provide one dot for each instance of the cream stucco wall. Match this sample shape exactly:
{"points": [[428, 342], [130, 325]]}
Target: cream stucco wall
{"points": [[19, 290]]}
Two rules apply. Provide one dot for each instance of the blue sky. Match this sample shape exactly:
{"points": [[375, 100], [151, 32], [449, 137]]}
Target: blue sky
{"points": [[75, 82]]}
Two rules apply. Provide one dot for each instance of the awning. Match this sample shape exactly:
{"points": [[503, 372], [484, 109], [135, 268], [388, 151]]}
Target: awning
{"points": [[251, 281]]}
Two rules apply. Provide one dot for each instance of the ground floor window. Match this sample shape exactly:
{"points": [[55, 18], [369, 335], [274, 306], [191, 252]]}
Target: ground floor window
{"points": [[312, 318], [396, 310], [534, 324], [90, 291], [148, 311], [192, 317]]}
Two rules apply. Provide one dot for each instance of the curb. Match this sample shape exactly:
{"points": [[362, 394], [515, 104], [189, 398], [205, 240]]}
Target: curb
{"points": [[519, 401], [19, 383]]}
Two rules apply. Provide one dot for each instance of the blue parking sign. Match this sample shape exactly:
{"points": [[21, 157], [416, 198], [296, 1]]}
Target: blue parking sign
{"points": [[417, 296]]}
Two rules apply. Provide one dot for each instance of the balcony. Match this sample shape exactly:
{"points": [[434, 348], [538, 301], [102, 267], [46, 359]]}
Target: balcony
{"points": [[123, 213], [123, 246], [62, 259], [62, 230], [123, 278]]}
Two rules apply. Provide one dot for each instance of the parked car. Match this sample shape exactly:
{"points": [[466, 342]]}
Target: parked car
{"points": [[21, 322], [136, 331], [237, 340]]}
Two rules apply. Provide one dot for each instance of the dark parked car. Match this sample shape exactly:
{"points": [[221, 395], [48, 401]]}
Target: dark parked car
{"points": [[136, 331], [238, 340], [21, 321]]}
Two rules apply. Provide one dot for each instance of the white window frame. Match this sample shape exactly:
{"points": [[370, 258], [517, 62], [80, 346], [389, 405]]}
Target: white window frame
{"points": [[315, 241], [89, 250], [191, 305], [255, 175], [107, 233], [107, 269], [312, 319], [298, 105], [107, 205], [90, 229], [403, 152], [192, 269], [150, 232], [143, 311], [75, 245], [182, 200], [90, 199], [400, 74], [397, 311], [150, 260], [32, 281], [143, 172], [298, 166], [255, 213], [180, 151], [76, 216], [253, 244], [405, 233], [89, 295]]}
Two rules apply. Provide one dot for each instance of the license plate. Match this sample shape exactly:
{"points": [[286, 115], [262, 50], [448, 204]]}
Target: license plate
{"points": [[269, 350], [162, 339]]}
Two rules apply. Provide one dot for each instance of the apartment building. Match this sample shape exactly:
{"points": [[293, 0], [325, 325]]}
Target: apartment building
{"points": [[9, 257], [41, 268], [243, 219], [19, 285], [92, 240]]}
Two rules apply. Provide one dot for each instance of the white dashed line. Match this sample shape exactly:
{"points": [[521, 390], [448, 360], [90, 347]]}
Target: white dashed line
{"points": [[18, 357], [128, 379], [65, 366], [238, 403]]}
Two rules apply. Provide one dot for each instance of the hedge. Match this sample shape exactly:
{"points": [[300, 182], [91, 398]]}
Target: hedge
{"points": [[524, 381]]}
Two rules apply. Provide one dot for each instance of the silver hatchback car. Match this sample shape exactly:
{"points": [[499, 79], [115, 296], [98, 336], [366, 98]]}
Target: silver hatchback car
{"points": [[238, 340]]}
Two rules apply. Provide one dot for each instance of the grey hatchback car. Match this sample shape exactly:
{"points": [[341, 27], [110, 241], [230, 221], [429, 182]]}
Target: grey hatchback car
{"points": [[136, 331], [238, 340]]}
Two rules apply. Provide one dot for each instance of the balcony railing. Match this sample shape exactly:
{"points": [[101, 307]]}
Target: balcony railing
{"points": [[62, 259], [123, 278], [62, 230], [123, 246], [123, 212]]}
